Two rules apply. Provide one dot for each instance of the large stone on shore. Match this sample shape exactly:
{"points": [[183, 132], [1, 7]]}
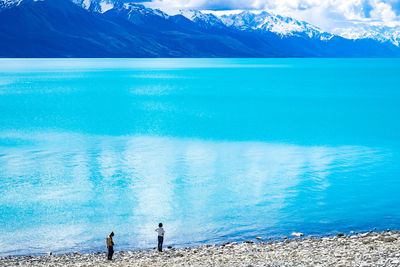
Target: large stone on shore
{"points": [[298, 234], [364, 234]]}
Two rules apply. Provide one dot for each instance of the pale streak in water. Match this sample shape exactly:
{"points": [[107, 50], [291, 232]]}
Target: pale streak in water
{"points": [[189, 183]]}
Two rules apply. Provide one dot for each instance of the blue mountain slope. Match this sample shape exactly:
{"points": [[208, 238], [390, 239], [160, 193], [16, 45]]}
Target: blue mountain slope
{"points": [[60, 28]]}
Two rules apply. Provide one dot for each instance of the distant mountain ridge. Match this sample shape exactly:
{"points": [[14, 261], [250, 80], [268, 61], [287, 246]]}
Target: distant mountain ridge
{"points": [[379, 33], [112, 28], [265, 21], [262, 21]]}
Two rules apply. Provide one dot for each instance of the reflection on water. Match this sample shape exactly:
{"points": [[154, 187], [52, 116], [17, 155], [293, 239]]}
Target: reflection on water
{"points": [[67, 191], [216, 149]]}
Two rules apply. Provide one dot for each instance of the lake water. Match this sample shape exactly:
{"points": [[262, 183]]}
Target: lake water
{"points": [[216, 149]]}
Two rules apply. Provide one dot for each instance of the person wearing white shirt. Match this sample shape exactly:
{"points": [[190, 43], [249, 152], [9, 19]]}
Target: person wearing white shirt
{"points": [[161, 233]]}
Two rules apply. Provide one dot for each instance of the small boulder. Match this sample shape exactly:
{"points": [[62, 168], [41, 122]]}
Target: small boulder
{"points": [[340, 234], [364, 234], [258, 238], [49, 253], [297, 234]]}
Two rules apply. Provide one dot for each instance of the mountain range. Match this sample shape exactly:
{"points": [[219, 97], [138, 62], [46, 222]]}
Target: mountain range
{"points": [[115, 28]]}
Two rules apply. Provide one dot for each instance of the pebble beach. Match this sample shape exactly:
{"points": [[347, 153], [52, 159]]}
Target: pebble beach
{"points": [[362, 249]]}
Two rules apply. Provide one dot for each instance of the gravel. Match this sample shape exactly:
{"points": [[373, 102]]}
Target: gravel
{"points": [[364, 249]]}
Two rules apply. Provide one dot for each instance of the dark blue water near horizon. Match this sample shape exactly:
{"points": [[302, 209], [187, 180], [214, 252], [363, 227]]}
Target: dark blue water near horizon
{"points": [[216, 149]]}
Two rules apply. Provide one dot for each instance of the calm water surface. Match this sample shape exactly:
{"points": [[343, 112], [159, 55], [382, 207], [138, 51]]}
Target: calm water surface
{"points": [[216, 149]]}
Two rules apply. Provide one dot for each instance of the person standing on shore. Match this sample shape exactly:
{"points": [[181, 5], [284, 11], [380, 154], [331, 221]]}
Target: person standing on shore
{"points": [[161, 233], [110, 246]]}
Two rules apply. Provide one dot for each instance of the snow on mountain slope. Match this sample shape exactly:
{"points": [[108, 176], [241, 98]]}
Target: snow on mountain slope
{"points": [[9, 3], [133, 9], [261, 21], [257, 21], [204, 19], [264, 21], [380, 33], [100, 6], [129, 9]]}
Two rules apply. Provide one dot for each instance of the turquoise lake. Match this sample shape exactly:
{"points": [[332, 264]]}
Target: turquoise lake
{"points": [[216, 149]]}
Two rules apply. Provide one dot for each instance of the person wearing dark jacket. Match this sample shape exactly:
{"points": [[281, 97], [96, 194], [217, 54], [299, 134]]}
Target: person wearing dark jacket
{"points": [[110, 246]]}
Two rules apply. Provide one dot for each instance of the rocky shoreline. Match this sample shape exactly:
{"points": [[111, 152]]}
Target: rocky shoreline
{"points": [[363, 249]]}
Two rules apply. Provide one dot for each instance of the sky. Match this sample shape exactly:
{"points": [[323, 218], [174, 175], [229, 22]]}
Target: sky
{"points": [[326, 14]]}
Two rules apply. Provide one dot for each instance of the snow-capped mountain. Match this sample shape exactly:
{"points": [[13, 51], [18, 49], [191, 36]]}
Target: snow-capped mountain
{"points": [[265, 21], [258, 21], [100, 6], [287, 26], [205, 20], [120, 28], [244, 21], [135, 13], [133, 9], [380, 33]]}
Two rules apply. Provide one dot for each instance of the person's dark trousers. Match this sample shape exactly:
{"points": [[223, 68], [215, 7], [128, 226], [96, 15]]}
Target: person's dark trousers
{"points": [[110, 252], [160, 241]]}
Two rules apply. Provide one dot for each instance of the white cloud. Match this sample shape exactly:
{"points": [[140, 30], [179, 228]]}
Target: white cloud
{"points": [[383, 11]]}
